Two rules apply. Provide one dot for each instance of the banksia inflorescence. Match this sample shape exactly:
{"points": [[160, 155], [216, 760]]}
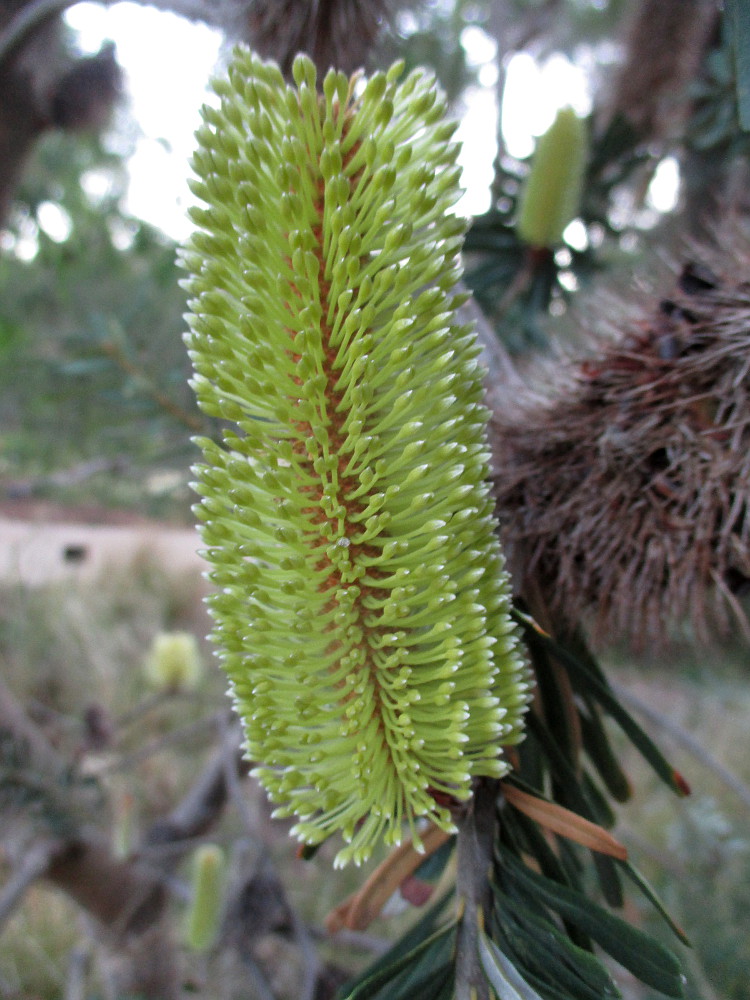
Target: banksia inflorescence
{"points": [[362, 607], [551, 195], [627, 492], [203, 917]]}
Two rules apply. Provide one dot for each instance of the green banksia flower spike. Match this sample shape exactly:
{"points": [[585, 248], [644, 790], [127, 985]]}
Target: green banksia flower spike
{"points": [[173, 662], [361, 604], [551, 195], [204, 914]]}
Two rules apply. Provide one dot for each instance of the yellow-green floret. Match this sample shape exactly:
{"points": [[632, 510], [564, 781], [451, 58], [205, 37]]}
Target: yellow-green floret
{"points": [[361, 605]]}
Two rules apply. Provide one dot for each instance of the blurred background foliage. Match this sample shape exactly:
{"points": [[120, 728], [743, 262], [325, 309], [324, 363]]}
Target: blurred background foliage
{"points": [[93, 366], [94, 402], [90, 306]]}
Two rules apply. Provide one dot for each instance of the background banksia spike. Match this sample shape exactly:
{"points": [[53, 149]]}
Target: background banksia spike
{"points": [[361, 603], [173, 662], [551, 194], [203, 917], [628, 492]]}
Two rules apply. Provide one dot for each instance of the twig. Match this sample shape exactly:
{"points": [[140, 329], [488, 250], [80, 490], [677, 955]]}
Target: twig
{"points": [[260, 983], [26, 21], [33, 864], [196, 812], [232, 760], [690, 743], [474, 860], [34, 14], [175, 736], [353, 939], [311, 963], [303, 935], [26, 734], [75, 984], [162, 400]]}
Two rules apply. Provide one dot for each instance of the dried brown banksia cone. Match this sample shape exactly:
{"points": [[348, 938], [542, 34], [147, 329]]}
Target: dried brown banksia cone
{"points": [[626, 494], [336, 33]]}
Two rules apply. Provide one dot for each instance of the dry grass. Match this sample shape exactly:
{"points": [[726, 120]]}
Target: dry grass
{"points": [[35, 946], [63, 649], [66, 650]]}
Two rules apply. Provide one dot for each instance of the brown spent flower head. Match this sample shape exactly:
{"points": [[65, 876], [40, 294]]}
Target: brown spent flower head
{"points": [[333, 33], [627, 493]]}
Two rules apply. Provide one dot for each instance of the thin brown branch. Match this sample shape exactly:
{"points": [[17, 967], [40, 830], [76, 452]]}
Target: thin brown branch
{"points": [[234, 765], [162, 400], [27, 21], [78, 965], [37, 13], [201, 807], [16, 725], [174, 736]]}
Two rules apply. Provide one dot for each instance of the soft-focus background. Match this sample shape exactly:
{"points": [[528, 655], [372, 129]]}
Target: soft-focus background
{"points": [[97, 552]]}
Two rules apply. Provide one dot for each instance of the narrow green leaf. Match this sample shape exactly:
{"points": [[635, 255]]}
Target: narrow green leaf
{"points": [[543, 953], [609, 880], [553, 698], [636, 951], [569, 791], [384, 973], [503, 976], [407, 944], [535, 843], [588, 683], [420, 982], [560, 961], [599, 750], [648, 891], [600, 804]]}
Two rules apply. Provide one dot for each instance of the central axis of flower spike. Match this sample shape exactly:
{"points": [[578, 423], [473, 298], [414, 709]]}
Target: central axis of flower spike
{"points": [[363, 670]]}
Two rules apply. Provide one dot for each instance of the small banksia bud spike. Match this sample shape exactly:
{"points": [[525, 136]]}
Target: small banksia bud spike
{"points": [[361, 605], [203, 917], [173, 662], [551, 194]]}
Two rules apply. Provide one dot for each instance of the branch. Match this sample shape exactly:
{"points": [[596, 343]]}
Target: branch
{"points": [[28, 19], [474, 854], [115, 353], [32, 865], [201, 806], [78, 965], [38, 12]]}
